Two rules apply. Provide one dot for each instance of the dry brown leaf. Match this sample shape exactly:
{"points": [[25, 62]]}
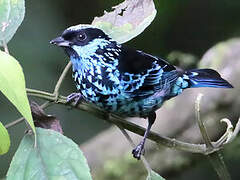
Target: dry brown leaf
{"points": [[43, 120]]}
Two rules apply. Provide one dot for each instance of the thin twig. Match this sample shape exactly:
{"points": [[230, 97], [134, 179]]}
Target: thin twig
{"points": [[228, 133], [235, 132], [215, 158], [11, 124], [60, 80], [41, 94], [202, 128]]}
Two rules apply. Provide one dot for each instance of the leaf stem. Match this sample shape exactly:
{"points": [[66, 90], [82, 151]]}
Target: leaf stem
{"points": [[5, 47]]}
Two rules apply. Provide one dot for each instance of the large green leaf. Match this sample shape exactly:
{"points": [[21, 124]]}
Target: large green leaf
{"points": [[4, 140], [12, 85], [56, 157], [128, 19], [11, 16], [154, 176]]}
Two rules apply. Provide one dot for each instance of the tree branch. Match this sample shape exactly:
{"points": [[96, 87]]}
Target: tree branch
{"points": [[101, 114]]}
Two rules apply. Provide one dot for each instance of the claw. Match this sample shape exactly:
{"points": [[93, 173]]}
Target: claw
{"points": [[75, 98], [138, 151]]}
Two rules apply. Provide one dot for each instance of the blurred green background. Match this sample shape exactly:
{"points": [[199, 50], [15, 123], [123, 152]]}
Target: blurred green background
{"points": [[186, 25]]}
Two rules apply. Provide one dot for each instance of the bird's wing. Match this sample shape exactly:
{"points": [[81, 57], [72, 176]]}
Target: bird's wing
{"points": [[143, 75]]}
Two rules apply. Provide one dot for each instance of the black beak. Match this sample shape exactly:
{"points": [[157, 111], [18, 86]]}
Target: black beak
{"points": [[59, 41]]}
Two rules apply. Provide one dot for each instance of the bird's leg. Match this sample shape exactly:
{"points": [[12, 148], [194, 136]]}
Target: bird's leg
{"points": [[75, 98], [139, 149]]}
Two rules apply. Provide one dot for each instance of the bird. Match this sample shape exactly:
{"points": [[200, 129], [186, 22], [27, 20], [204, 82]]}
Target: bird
{"points": [[126, 81]]}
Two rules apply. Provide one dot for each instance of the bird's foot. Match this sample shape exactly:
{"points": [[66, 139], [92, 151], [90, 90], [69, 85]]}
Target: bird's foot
{"points": [[75, 98], [138, 151]]}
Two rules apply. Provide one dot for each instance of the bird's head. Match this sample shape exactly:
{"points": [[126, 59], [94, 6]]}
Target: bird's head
{"points": [[81, 40]]}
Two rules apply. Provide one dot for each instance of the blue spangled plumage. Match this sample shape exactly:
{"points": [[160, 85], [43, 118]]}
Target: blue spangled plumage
{"points": [[129, 93], [125, 81]]}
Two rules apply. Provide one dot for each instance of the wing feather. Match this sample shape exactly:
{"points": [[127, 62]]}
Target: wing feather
{"points": [[143, 75]]}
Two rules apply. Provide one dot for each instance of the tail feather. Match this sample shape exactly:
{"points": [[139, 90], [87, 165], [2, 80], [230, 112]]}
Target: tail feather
{"points": [[205, 78]]}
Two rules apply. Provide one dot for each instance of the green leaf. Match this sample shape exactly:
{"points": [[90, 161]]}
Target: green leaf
{"points": [[128, 19], [4, 140], [154, 176], [11, 16], [12, 85], [56, 157]]}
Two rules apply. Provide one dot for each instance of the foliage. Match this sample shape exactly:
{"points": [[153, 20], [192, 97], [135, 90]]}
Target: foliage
{"points": [[5, 140], [12, 82], [154, 176], [56, 157], [12, 85], [11, 16], [50, 154], [128, 19]]}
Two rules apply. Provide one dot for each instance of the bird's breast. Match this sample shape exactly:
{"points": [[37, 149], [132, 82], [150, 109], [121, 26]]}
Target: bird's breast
{"points": [[97, 83]]}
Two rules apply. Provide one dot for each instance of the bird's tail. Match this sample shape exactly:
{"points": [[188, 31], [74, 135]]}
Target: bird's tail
{"points": [[205, 78]]}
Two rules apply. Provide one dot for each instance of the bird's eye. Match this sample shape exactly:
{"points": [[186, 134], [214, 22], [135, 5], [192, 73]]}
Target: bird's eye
{"points": [[81, 37]]}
